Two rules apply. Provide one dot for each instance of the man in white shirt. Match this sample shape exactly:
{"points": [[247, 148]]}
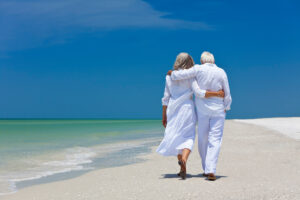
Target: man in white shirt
{"points": [[211, 111]]}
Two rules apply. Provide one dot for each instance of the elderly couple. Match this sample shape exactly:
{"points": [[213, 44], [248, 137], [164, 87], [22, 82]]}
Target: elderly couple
{"points": [[210, 86]]}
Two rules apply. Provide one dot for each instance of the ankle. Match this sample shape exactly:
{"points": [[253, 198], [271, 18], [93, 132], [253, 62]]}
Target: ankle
{"points": [[179, 157]]}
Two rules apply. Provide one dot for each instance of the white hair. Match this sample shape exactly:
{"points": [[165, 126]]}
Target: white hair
{"points": [[183, 61], [207, 57]]}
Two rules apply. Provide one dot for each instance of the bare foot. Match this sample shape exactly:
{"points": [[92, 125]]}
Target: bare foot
{"points": [[183, 169]]}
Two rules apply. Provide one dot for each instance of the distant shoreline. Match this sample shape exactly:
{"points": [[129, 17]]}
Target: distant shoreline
{"points": [[79, 119], [154, 119]]}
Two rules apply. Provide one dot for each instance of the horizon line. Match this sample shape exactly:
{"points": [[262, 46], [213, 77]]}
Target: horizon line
{"points": [[76, 118]]}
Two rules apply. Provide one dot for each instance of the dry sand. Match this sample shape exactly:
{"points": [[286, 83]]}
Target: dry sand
{"points": [[255, 163], [289, 126]]}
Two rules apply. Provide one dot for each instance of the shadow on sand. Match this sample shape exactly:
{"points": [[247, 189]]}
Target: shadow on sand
{"points": [[188, 176]]}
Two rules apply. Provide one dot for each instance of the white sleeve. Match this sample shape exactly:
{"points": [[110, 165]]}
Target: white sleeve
{"points": [[167, 95], [183, 74], [197, 90], [227, 98]]}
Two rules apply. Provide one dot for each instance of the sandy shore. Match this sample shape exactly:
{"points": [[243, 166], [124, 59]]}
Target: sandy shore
{"points": [[255, 163], [289, 126]]}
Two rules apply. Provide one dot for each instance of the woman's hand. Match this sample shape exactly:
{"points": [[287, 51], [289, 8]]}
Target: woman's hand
{"points": [[169, 72]]}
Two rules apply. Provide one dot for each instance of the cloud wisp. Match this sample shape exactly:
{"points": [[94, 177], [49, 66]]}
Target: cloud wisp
{"points": [[31, 23]]}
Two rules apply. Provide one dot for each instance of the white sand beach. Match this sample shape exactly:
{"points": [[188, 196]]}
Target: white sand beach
{"points": [[289, 126], [256, 162]]}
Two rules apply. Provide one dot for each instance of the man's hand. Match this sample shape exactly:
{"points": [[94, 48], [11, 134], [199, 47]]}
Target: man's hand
{"points": [[164, 121], [169, 72], [221, 93]]}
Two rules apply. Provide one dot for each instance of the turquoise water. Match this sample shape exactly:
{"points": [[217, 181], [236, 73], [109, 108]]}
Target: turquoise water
{"points": [[34, 149]]}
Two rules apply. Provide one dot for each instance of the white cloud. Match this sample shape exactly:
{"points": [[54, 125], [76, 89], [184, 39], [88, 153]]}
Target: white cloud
{"points": [[31, 23]]}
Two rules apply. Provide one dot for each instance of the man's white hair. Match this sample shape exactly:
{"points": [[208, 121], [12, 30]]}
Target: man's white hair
{"points": [[207, 57]]}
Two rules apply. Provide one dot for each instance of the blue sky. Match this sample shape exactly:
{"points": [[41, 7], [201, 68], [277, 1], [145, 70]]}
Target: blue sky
{"points": [[108, 58]]}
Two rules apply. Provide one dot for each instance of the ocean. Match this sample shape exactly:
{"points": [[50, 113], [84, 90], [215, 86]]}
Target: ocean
{"points": [[36, 150]]}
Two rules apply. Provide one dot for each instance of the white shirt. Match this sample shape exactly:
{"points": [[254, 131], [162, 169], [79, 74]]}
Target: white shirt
{"points": [[209, 77], [176, 89]]}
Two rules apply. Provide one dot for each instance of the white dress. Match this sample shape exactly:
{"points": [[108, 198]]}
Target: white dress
{"points": [[181, 116]]}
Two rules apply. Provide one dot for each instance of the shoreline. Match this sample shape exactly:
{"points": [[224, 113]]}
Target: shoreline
{"points": [[246, 148], [134, 148], [140, 148]]}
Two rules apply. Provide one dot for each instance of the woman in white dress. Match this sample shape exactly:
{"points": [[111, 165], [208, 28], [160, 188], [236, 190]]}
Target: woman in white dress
{"points": [[179, 116]]}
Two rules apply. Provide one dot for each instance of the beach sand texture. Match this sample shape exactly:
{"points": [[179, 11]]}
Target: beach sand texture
{"points": [[254, 163], [289, 126]]}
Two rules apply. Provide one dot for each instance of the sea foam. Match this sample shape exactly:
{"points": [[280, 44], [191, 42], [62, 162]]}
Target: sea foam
{"points": [[70, 159]]}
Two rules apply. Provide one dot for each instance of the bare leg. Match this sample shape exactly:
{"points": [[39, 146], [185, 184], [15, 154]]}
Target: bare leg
{"points": [[179, 157], [185, 155]]}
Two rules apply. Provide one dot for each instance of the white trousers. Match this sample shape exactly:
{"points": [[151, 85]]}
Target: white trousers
{"points": [[210, 132]]}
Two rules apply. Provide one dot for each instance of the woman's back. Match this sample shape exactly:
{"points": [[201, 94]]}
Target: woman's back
{"points": [[178, 88]]}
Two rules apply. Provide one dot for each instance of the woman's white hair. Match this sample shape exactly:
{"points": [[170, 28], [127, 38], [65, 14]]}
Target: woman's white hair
{"points": [[207, 57], [183, 61]]}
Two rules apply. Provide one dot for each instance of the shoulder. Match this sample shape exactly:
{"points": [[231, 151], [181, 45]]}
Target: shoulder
{"points": [[220, 69], [222, 72], [168, 81], [168, 77], [199, 68]]}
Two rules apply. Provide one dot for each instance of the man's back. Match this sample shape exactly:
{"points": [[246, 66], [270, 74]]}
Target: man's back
{"points": [[210, 76]]}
